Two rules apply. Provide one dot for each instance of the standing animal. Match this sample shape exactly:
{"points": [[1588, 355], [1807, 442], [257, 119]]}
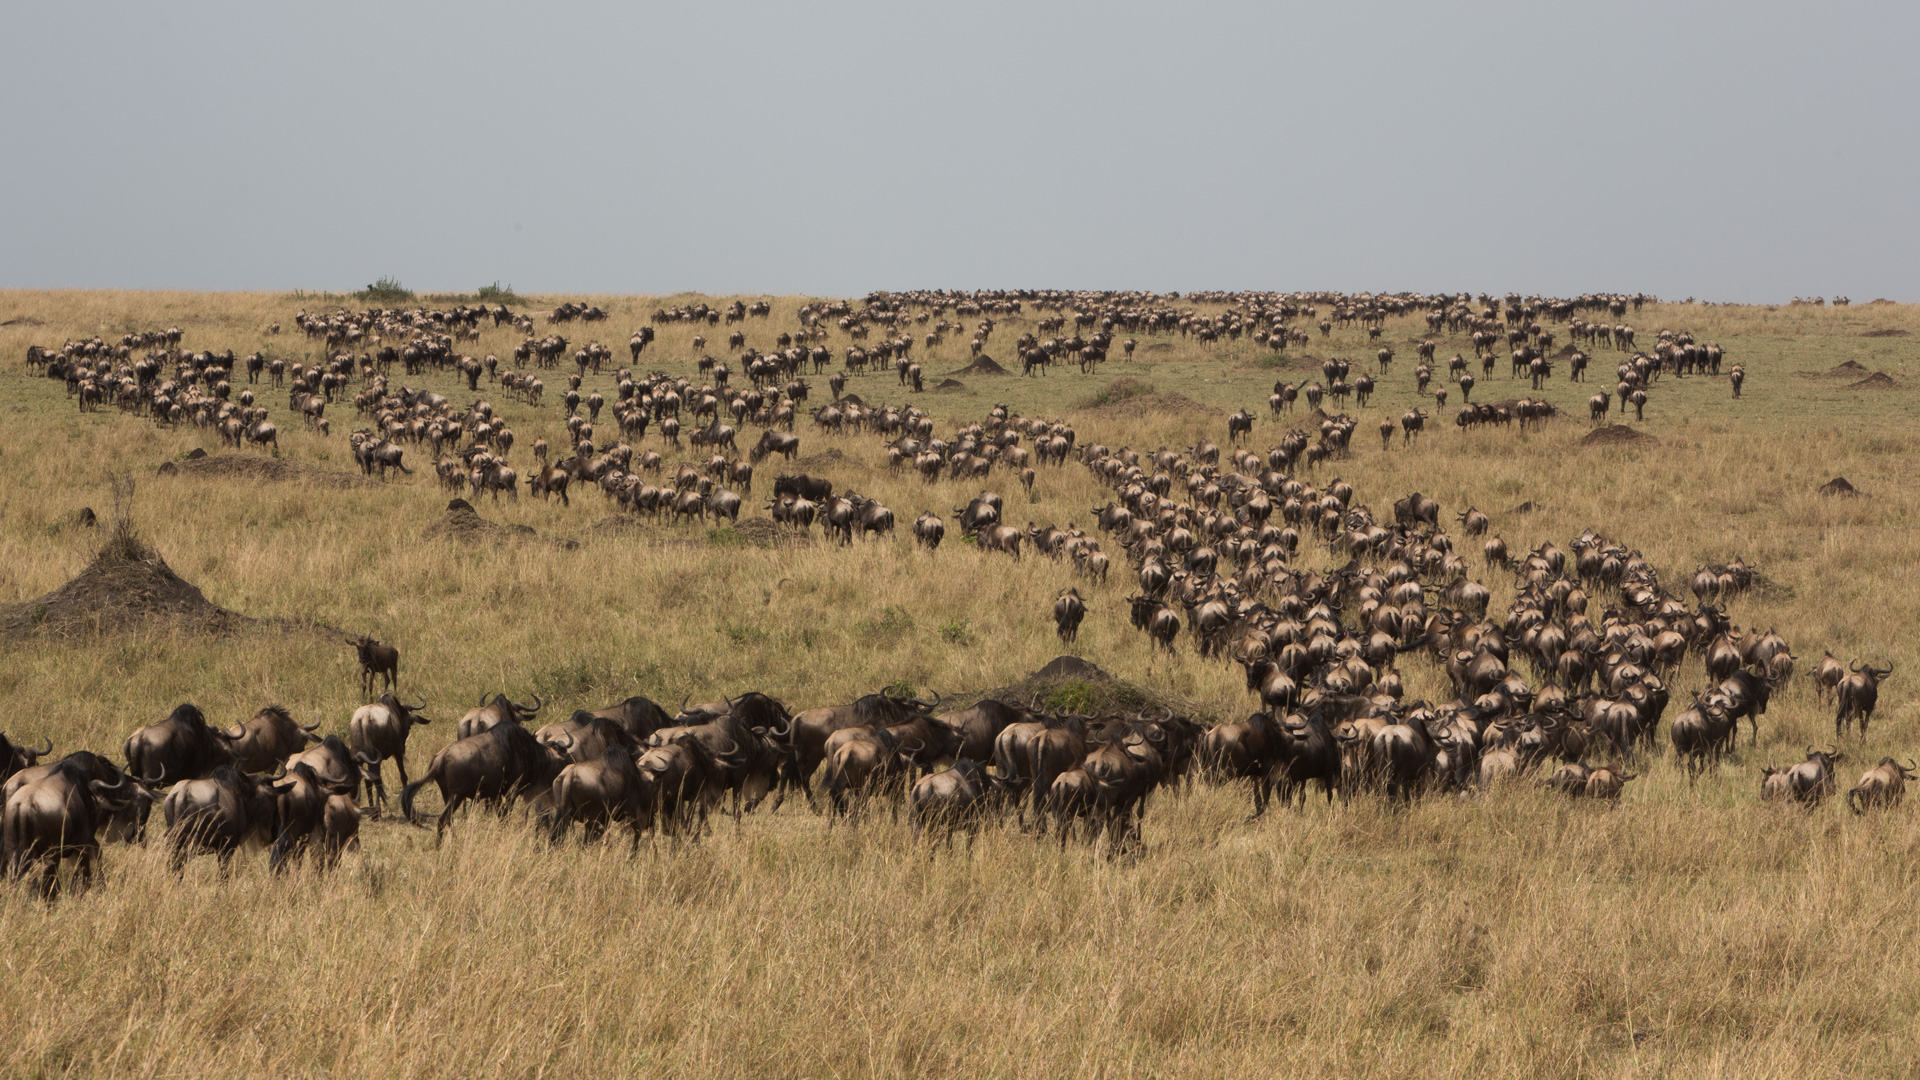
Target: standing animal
{"points": [[180, 747], [376, 659], [266, 739], [1068, 611], [379, 732], [1858, 693], [1884, 785]]}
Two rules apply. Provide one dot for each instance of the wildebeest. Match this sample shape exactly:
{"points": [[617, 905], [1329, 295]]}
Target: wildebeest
{"points": [[376, 659], [586, 737], [1812, 780], [607, 790], [180, 747], [216, 813], [57, 816], [639, 716], [950, 799], [14, 758], [1884, 785], [379, 732], [684, 779], [266, 739], [1068, 611], [929, 530], [495, 766], [1858, 693], [488, 714]]}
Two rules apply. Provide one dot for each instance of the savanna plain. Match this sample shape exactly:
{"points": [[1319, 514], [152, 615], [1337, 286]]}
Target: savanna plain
{"points": [[1688, 930]]}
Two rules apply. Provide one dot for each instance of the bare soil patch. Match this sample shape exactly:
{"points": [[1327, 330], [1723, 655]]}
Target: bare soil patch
{"points": [[1852, 369], [1879, 380], [1888, 332], [1618, 435], [261, 469], [128, 586]]}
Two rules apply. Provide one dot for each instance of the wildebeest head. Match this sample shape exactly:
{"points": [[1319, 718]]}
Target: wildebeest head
{"points": [[14, 758]]}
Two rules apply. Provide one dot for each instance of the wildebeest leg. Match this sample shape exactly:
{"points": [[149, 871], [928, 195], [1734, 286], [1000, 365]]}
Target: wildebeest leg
{"points": [[446, 815]]}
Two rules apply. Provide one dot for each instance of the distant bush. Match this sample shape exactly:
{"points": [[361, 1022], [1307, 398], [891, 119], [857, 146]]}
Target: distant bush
{"points": [[387, 290], [497, 293]]}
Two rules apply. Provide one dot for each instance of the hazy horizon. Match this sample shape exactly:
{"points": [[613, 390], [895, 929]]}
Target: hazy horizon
{"points": [[1729, 153]]}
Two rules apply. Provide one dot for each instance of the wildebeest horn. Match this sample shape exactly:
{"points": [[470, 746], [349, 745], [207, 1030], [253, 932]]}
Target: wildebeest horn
{"points": [[534, 708], [103, 786], [566, 746], [32, 754], [684, 698], [483, 697], [315, 726], [414, 708], [368, 757]]}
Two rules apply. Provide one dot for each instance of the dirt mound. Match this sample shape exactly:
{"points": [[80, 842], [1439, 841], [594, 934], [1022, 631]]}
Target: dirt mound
{"points": [[1129, 397], [949, 384], [1879, 380], [1850, 370], [266, 470], [849, 399], [1618, 435], [1838, 486], [1071, 684], [831, 456], [128, 586], [463, 524], [1563, 352], [982, 365], [1888, 332], [762, 532], [1527, 507]]}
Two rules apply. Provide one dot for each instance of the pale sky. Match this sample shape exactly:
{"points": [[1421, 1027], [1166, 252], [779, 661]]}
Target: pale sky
{"points": [[1730, 151]]}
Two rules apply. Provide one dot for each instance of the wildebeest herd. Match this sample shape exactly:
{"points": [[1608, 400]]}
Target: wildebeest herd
{"points": [[1215, 539]]}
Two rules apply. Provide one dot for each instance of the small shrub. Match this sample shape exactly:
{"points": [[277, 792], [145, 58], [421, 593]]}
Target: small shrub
{"points": [[497, 294], [387, 290], [892, 622], [724, 536], [740, 634], [1076, 697], [956, 632]]}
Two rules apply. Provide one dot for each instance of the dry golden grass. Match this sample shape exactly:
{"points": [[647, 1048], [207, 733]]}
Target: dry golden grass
{"points": [[1688, 931]]}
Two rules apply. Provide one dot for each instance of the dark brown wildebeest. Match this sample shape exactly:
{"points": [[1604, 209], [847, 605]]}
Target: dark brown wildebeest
{"points": [[489, 714], [586, 737], [683, 778], [1827, 675], [265, 740], [56, 817], [608, 790], [929, 530], [300, 811], [181, 747], [1858, 693], [748, 740], [862, 762], [1812, 780], [1241, 750], [949, 800], [376, 659], [638, 716], [215, 814], [14, 758], [1884, 785], [494, 766], [1068, 611], [378, 732], [979, 726]]}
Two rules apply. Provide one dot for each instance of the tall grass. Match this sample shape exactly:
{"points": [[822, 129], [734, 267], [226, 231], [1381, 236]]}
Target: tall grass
{"points": [[1688, 931]]}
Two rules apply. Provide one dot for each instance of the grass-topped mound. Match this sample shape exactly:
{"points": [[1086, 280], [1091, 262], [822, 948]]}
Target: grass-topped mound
{"points": [[127, 587], [1070, 684]]}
